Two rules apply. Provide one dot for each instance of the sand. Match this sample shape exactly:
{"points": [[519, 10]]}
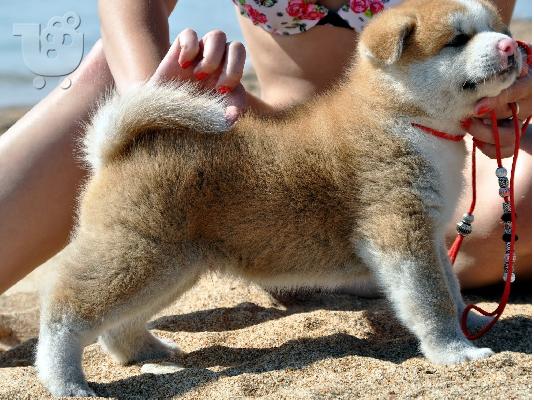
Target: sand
{"points": [[240, 343]]}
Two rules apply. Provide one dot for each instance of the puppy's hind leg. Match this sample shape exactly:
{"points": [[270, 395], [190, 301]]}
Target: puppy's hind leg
{"points": [[59, 357], [62, 332], [101, 285], [131, 342]]}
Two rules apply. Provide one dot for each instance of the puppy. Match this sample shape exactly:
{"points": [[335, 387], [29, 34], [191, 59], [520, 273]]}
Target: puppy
{"points": [[342, 189]]}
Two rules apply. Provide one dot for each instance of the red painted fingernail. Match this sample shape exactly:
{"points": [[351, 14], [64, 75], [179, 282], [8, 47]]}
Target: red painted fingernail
{"points": [[482, 110], [201, 75], [466, 123], [224, 90], [186, 64]]}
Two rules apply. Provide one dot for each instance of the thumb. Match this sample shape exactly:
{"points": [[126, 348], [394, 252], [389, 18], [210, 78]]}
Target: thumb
{"points": [[236, 103]]}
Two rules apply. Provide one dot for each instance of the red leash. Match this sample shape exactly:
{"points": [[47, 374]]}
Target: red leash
{"points": [[506, 191], [508, 218], [442, 135]]}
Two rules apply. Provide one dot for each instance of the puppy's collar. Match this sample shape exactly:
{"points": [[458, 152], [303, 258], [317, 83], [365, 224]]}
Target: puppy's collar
{"points": [[440, 134]]}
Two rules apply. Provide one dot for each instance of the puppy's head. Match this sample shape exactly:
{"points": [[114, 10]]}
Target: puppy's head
{"points": [[440, 56]]}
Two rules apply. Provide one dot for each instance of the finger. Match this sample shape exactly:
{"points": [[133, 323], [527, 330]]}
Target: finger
{"points": [[189, 47], [236, 103], [168, 68], [525, 68], [485, 106], [482, 131], [504, 111], [214, 44], [490, 150], [520, 90], [232, 72], [525, 108], [232, 114]]}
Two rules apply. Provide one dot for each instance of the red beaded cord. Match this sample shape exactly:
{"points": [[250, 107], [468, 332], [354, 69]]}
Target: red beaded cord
{"points": [[509, 202]]}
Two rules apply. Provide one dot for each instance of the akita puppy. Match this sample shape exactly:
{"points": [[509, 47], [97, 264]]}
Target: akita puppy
{"points": [[343, 189]]}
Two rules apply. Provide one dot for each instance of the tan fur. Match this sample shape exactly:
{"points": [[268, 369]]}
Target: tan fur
{"points": [[328, 192], [246, 195], [425, 33]]}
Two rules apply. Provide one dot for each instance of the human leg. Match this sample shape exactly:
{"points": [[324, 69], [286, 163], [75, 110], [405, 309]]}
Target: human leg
{"points": [[39, 173]]}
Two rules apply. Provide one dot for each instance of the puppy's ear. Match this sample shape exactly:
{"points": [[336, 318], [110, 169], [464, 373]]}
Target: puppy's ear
{"points": [[383, 40]]}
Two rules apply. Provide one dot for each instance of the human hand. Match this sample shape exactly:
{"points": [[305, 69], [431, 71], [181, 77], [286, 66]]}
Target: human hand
{"points": [[480, 126], [210, 61]]}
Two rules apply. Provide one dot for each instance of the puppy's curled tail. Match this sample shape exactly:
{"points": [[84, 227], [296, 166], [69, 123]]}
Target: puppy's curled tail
{"points": [[121, 119]]}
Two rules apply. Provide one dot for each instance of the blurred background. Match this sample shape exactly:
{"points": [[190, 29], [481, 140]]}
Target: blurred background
{"points": [[17, 87]]}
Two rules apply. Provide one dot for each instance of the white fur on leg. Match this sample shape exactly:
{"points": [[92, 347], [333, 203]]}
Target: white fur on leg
{"points": [[131, 342], [413, 295], [142, 348], [58, 361], [455, 352]]}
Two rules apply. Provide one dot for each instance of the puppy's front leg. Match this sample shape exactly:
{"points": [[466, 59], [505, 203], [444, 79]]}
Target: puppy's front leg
{"points": [[407, 263]]}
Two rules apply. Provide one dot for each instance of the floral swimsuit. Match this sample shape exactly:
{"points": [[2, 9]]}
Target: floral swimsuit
{"points": [[287, 17]]}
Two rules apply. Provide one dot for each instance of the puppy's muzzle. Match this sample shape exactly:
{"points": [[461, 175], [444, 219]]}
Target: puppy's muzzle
{"points": [[508, 63]]}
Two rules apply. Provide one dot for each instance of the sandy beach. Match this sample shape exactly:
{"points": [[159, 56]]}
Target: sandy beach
{"points": [[242, 343]]}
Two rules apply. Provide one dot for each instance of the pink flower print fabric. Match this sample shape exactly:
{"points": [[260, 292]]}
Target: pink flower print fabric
{"points": [[288, 17], [282, 17], [358, 13], [302, 9], [255, 16]]}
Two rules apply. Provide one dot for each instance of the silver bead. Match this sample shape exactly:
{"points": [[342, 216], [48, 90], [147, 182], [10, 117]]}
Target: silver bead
{"points": [[506, 207], [512, 279], [501, 172], [507, 227], [463, 229], [504, 192], [507, 258], [468, 218], [503, 182]]}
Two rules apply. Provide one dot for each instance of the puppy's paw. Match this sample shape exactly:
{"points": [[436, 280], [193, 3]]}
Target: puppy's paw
{"points": [[72, 390], [161, 368], [157, 349], [456, 353], [170, 347]]}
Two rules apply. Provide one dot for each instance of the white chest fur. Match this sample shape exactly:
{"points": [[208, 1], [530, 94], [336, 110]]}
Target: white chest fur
{"points": [[443, 185]]}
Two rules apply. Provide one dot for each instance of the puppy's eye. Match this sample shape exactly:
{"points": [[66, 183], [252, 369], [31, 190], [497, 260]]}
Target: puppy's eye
{"points": [[459, 40]]}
